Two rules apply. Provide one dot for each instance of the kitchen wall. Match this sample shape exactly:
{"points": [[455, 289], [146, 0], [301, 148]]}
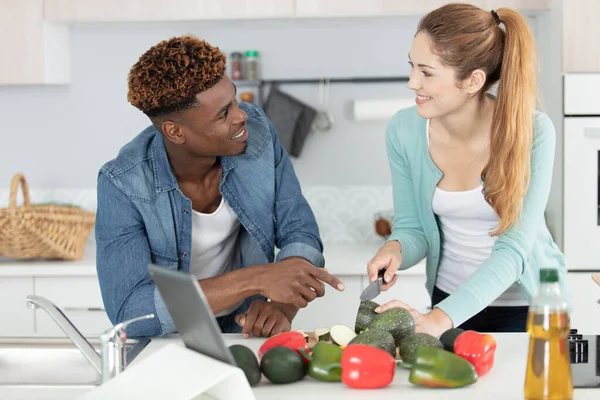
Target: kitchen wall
{"points": [[59, 136]]}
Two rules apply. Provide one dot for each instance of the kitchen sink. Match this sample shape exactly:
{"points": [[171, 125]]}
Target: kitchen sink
{"points": [[52, 362]]}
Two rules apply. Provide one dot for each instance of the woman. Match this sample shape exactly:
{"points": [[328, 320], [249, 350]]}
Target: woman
{"points": [[471, 173]]}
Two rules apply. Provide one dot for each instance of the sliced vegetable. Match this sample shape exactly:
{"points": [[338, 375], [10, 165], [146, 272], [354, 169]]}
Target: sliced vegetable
{"points": [[449, 337], [478, 349], [303, 334], [376, 338], [282, 365], [367, 367], [246, 360], [409, 345], [366, 313], [292, 340], [325, 362], [396, 321], [322, 334], [341, 335], [435, 367]]}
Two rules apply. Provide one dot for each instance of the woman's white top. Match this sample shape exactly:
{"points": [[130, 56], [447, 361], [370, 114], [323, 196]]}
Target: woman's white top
{"points": [[465, 221]]}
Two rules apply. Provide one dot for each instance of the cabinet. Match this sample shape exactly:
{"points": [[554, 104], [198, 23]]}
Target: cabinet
{"points": [[580, 27], [17, 317], [585, 294], [164, 10], [323, 8], [33, 52]]}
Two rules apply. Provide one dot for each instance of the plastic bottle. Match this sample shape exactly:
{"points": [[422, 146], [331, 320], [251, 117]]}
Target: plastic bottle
{"points": [[548, 375]]}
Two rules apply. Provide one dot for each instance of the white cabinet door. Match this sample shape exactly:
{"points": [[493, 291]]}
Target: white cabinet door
{"points": [[580, 23], [336, 8], [333, 308], [164, 10], [17, 317], [586, 310], [582, 193], [80, 300], [409, 289]]}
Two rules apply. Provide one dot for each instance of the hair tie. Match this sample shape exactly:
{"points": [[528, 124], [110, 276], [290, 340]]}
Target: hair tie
{"points": [[496, 17]]}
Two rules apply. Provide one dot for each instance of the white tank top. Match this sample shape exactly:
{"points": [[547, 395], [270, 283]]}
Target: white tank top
{"points": [[213, 241], [466, 220]]}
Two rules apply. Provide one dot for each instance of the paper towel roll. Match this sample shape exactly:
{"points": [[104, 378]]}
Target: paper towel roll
{"points": [[381, 109]]}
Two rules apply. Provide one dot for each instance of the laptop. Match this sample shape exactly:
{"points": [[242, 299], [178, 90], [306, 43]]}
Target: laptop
{"points": [[190, 312]]}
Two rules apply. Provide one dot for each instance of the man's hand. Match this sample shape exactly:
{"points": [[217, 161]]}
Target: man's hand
{"points": [[263, 319], [294, 281]]}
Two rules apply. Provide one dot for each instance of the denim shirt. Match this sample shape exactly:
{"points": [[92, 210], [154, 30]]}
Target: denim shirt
{"points": [[143, 217]]}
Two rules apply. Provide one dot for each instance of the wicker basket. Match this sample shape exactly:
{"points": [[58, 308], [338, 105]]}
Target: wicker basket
{"points": [[42, 231]]}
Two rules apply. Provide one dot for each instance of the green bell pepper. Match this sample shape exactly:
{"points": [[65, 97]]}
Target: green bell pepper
{"points": [[325, 362], [434, 367]]}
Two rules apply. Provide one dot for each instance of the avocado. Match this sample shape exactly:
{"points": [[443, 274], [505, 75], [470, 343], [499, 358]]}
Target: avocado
{"points": [[396, 321], [366, 313], [247, 361], [449, 337], [282, 365], [376, 338], [409, 345]]}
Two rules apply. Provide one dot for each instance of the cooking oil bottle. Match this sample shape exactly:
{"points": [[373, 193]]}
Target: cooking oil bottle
{"points": [[548, 374]]}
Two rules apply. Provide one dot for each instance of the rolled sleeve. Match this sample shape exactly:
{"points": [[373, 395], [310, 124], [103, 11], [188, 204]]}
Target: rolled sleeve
{"points": [[314, 256]]}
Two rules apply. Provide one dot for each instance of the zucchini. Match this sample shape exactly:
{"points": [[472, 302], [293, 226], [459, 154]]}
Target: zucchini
{"points": [[449, 337], [246, 360], [322, 334], [409, 345], [366, 313], [377, 338], [396, 321], [282, 365], [341, 335]]}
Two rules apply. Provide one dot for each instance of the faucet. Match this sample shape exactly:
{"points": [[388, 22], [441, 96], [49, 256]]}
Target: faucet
{"points": [[113, 358]]}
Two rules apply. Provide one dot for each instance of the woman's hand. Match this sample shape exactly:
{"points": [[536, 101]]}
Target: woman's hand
{"points": [[389, 258], [435, 322]]}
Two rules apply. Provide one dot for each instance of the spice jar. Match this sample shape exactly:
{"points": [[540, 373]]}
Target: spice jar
{"points": [[236, 66], [247, 97], [252, 73]]}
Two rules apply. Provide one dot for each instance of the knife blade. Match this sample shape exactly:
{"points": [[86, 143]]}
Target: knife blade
{"points": [[374, 288]]}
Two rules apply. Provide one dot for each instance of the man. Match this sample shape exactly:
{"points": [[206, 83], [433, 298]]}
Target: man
{"points": [[207, 189]]}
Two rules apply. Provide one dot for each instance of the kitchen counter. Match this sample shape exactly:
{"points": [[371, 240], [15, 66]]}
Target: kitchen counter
{"points": [[340, 259], [503, 382]]}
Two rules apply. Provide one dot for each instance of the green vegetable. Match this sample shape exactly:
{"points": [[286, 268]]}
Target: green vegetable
{"points": [[410, 344], [341, 335], [449, 337], [282, 365], [366, 313], [323, 356], [396, 321], [247, 361], [376, 338], [435, 367], [322, 334]]}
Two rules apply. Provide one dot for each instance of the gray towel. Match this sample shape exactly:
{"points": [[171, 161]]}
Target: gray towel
{"points": [[291, 118]]}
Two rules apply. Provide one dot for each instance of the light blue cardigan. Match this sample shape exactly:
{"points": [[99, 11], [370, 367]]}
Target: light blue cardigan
{"points": [[518, 254]]}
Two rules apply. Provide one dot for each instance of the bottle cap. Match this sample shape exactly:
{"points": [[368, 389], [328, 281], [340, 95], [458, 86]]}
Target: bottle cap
{"points": [[251, 53], [548, 275]]}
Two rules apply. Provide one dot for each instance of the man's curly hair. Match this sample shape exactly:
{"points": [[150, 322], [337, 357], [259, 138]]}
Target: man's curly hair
{"points": [[168, 76]]}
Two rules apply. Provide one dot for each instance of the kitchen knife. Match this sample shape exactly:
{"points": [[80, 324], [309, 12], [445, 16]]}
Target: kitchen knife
{"points": [[374, 288]]}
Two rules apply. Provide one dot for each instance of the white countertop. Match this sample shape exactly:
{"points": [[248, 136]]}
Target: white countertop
{"points": [[340, 259], [504, 382]]}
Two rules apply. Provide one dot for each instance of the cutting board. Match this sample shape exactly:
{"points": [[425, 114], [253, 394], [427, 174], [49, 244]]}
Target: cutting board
{"points": [[596, 278]]}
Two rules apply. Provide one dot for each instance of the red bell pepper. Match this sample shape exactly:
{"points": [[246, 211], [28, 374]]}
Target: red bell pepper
{"points": [[367, 367], [292, 340], [477, 348]]}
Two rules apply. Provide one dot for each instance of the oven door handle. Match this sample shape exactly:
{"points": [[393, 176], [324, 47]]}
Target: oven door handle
{"points": [[592, 133]]}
